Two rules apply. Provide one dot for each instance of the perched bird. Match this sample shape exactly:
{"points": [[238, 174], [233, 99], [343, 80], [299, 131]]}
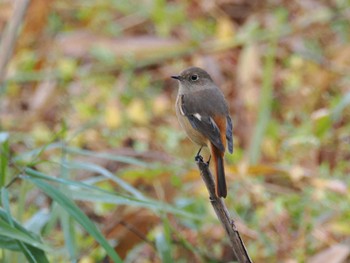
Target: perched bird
{"points": [[203, 113]]}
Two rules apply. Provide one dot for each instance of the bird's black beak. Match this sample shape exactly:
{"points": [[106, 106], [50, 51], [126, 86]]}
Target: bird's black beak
{"points": [[176, 77]]}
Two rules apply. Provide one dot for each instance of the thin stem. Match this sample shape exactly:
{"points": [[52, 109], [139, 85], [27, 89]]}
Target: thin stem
{"points": [[223, 215]]}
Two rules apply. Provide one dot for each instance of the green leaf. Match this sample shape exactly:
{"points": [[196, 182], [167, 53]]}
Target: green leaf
{"points": [[67, 222], [71, 208], [7, 230], [4, 155], [163, 247], [338, 110], [98, 169], [98, 194], [322, 122], [9, 243], [69, 234], [31, 253], [38, 221], [33, 154], [266, 95], [77, 151]]}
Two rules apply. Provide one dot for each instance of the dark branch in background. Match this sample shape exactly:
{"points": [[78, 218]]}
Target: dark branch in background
{"points": [[222, 213], [8, 37]]}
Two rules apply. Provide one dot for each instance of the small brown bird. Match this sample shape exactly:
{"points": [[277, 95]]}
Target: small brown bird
{"points": [[203, 113]]}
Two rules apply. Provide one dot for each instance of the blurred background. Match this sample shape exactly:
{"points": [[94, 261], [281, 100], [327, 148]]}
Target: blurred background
{"points": [[89, 133]]}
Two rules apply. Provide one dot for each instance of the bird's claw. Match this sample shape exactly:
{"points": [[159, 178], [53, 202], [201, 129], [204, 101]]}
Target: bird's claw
{"points": [[208, 162], [198, 158]]}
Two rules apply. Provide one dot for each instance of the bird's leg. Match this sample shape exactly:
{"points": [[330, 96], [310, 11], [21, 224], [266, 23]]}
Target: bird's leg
{"points": [[208, 162], [199, 151], [198, 157]]}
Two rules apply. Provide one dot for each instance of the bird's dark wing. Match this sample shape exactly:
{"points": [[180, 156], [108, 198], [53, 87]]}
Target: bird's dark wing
{"points": [[207, 126], [201, 122], [229, 137]]}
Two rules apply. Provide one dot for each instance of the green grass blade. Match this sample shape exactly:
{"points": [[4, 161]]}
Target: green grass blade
{"points": [[338, 109], [73, 210], [39, 175], [163, 244], [37, 222], [4, 217], [100, 195], [8, 243], [265, 103], [69, 234], [76, 151], [98, 169], [4, 155], [67, 221], [32, 254], [109, 156], [33, 154], [8, 231], [80, 194]]}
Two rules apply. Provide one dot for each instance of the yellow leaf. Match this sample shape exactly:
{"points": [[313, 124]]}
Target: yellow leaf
{"points": [[225, 29], [41, 133], [13, 90], [137, 112], [339, 227], [67, 68], [269, 148], [112, 116], [86, 259]]}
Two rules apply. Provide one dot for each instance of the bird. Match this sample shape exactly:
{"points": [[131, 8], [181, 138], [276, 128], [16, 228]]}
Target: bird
{"points": [[203, 113]]}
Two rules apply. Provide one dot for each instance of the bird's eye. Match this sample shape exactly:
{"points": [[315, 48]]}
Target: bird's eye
{"points": [[194, 77]]}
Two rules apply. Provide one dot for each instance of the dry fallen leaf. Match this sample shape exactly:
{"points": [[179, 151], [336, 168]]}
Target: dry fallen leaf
{"points": [[335, 254], [332, 185], [136, 46]]}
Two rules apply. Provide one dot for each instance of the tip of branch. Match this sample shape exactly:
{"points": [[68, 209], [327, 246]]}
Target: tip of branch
{"points": [[203, 166]]}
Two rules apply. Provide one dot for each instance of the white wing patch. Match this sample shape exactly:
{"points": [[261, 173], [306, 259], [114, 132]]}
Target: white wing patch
{"points": [[181, 110], [198, 116]]}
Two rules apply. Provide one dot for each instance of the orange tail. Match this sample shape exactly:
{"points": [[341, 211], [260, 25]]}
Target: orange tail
{"points": [[218, 156]]}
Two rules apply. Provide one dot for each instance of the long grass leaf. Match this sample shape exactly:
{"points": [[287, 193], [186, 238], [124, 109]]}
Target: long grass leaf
{"points": [[101, 195], [4, 155], [265, 103], [338, 109], [109, 156], [71, 208], [30, 156], [67, 221], [32, 254], [98, 169], [8, 231]]}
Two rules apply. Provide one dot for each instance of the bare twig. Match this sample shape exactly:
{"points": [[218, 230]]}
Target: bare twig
{"points": [[222, 213], [9, 35]]}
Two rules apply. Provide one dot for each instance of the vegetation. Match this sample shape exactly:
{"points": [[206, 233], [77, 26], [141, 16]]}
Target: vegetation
{"points": [[93, 163]]}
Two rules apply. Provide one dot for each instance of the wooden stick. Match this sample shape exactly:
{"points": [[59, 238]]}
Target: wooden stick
{"points": [[222, 213]]}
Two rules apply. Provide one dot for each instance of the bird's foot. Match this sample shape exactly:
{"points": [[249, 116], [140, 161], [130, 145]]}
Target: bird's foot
{"points": [[208, 162], [198, 158]]}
